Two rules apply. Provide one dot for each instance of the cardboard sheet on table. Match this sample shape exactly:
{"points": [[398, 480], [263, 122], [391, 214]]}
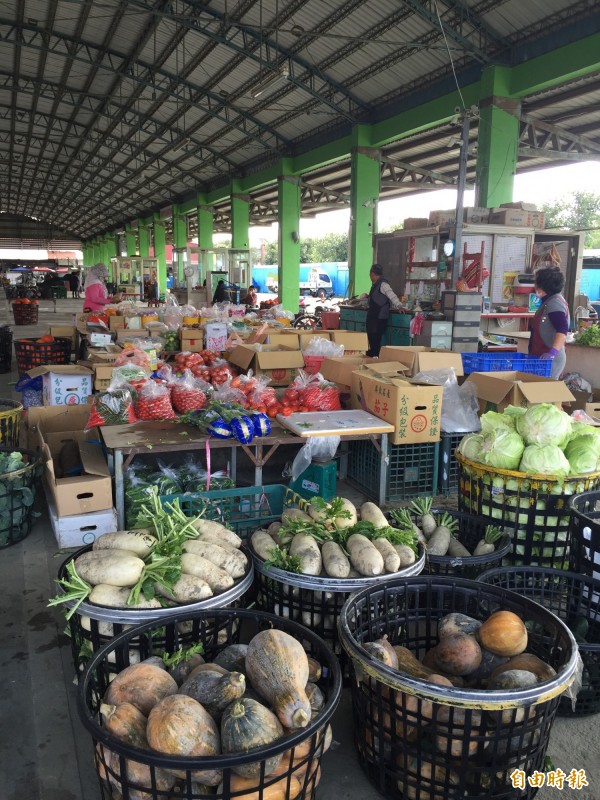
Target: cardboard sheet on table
{"points": [[334, 423]]}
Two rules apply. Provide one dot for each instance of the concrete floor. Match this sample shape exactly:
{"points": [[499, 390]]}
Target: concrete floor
{"points": [[45, 754]]}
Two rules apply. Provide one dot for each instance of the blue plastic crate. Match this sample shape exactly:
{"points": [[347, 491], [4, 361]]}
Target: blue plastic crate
{"points": [[506, 362], [242, 510]]}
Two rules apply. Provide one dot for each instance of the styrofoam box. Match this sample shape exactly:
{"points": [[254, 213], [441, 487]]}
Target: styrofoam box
{"points": [[79, 530]]}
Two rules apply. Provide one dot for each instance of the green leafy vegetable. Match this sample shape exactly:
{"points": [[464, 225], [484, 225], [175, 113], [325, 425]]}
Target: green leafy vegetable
{"points": [[76, 590], [280, 558], [547, 460], [182, 655], [544, 424]]}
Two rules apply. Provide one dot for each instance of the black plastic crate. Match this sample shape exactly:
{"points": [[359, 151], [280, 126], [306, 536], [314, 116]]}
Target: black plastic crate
{"points": [[6, 338], [448, 466], [584, 527], [412, 469]]}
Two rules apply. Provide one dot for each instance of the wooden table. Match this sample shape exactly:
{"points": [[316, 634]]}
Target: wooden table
{"points": [[128, 441], [523, 318]]}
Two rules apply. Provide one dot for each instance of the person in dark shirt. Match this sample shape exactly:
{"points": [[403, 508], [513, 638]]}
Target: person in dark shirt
{"points": [[550, 324], [220, 294], [381, 299]]}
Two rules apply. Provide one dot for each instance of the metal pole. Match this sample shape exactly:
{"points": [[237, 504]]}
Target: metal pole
{"points": [[460, 199]]}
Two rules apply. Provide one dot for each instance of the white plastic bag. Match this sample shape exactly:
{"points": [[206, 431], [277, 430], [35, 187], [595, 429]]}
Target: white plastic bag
{"points": [[460, 406], [319, 346], [317, 448]]}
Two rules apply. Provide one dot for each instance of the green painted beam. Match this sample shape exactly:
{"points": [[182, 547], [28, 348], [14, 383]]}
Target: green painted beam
{"points": [[144, 237], [179, 240], [566, 63], [364, 194], [160, 251], [240, 217], [322, 156], [289, 205]]}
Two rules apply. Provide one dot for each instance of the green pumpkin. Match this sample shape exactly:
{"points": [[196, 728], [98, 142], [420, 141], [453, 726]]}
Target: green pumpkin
{"points": [[247, 724]]}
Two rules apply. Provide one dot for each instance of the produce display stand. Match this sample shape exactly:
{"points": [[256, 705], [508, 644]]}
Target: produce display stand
{"points": [[128, 441]]}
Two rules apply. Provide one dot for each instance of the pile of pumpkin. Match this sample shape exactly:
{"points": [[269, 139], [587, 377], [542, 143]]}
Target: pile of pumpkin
{"points": [[250, 697], [472, 655]]}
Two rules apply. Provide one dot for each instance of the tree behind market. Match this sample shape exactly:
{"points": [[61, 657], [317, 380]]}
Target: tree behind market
{"points": [[576, 211]]}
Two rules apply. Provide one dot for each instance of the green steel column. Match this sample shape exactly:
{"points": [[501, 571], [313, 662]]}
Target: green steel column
{"points": [[160, 251], [240, 217], [205, 225], [289, 207], [179, 240], [130, 240], [498, 141], [97, 251], [109, 248], [88, 253], [144, 237], [364, 195]]}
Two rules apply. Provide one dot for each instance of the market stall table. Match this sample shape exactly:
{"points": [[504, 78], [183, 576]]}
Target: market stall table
{"points": [[128, 441], [524, 318]]}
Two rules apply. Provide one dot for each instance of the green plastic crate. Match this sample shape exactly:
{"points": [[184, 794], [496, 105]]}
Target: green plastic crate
{"points": [[412, 469], [242, 510]]}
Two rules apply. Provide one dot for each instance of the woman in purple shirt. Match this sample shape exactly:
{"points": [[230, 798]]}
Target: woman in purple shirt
{"points": [[550, 325]]}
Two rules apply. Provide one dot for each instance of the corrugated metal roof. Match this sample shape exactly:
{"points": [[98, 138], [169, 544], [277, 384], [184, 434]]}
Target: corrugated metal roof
{"points": [[130, 105]]}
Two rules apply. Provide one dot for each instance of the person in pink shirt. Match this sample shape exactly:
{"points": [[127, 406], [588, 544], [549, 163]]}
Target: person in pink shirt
{"points": [[96, 294]]}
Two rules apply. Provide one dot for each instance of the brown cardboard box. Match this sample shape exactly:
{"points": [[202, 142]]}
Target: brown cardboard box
{"points": [[355, 343], [116, 322], [129, 335], [52, 419], [473, 215], [414, 223], [102, 374], [306, 336], [64, 384], [497, 390], [280, 364], [414, 411], [103, 355], [517, 218], [421, 359], [91, 491], [591, 407], [66, 332], [289, 340], [339, 371], [192, 340]]}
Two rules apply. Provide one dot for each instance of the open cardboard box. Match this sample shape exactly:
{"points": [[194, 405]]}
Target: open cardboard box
{"points": [[64, 384], [497, 390], [307, 336], [281, 364], [591, 407], [355, 343], [421, 359], [414, 411], [80, 494], [339, 370]]}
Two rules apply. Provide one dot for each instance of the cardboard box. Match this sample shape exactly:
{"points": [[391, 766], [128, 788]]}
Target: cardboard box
{"points": [[53, 419], [279, 363], [192, 340], [520, 205], [82, 494], [306, 336], [116, 322], [129, 335], [497, 390], [100, 339], [103, 355], [517, 218], [289, 340], [64, 385], [355, 343], [474, 215], [414, 411], [65, 332], [339, 371], [414, 223], [102, 376], [591, 408], [420, 359], [78, 530]]}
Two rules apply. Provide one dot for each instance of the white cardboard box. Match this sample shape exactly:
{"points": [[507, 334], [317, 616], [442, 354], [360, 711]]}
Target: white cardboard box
{"points": [[64, 385], [79, 530]]}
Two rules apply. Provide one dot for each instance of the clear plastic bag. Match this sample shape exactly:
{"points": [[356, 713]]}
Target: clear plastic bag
{"points": [[317, 448], [189, 393], [154, 402], [319, 346], [460, 405], [113, 407]]}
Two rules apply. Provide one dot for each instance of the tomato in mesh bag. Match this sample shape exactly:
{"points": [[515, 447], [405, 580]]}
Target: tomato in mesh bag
{"points": [[154, 402]]}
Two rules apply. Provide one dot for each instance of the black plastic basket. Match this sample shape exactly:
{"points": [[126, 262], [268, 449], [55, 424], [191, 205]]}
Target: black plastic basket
{"points": [[313, 601], [25, 313], [30, 353], [6, 338], [94, 626], [419, 740], [534, 508], [17, 497], [576, 600], [10, 422], [585, 534], [470, 530], [215, 629]]}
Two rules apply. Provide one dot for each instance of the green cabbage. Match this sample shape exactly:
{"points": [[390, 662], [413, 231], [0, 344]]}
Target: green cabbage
{"points": [[544, 460], [544, 424], [583, 453], [470, 446], [502, 449], [583, 429], [491, 421], [514, 411]]}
